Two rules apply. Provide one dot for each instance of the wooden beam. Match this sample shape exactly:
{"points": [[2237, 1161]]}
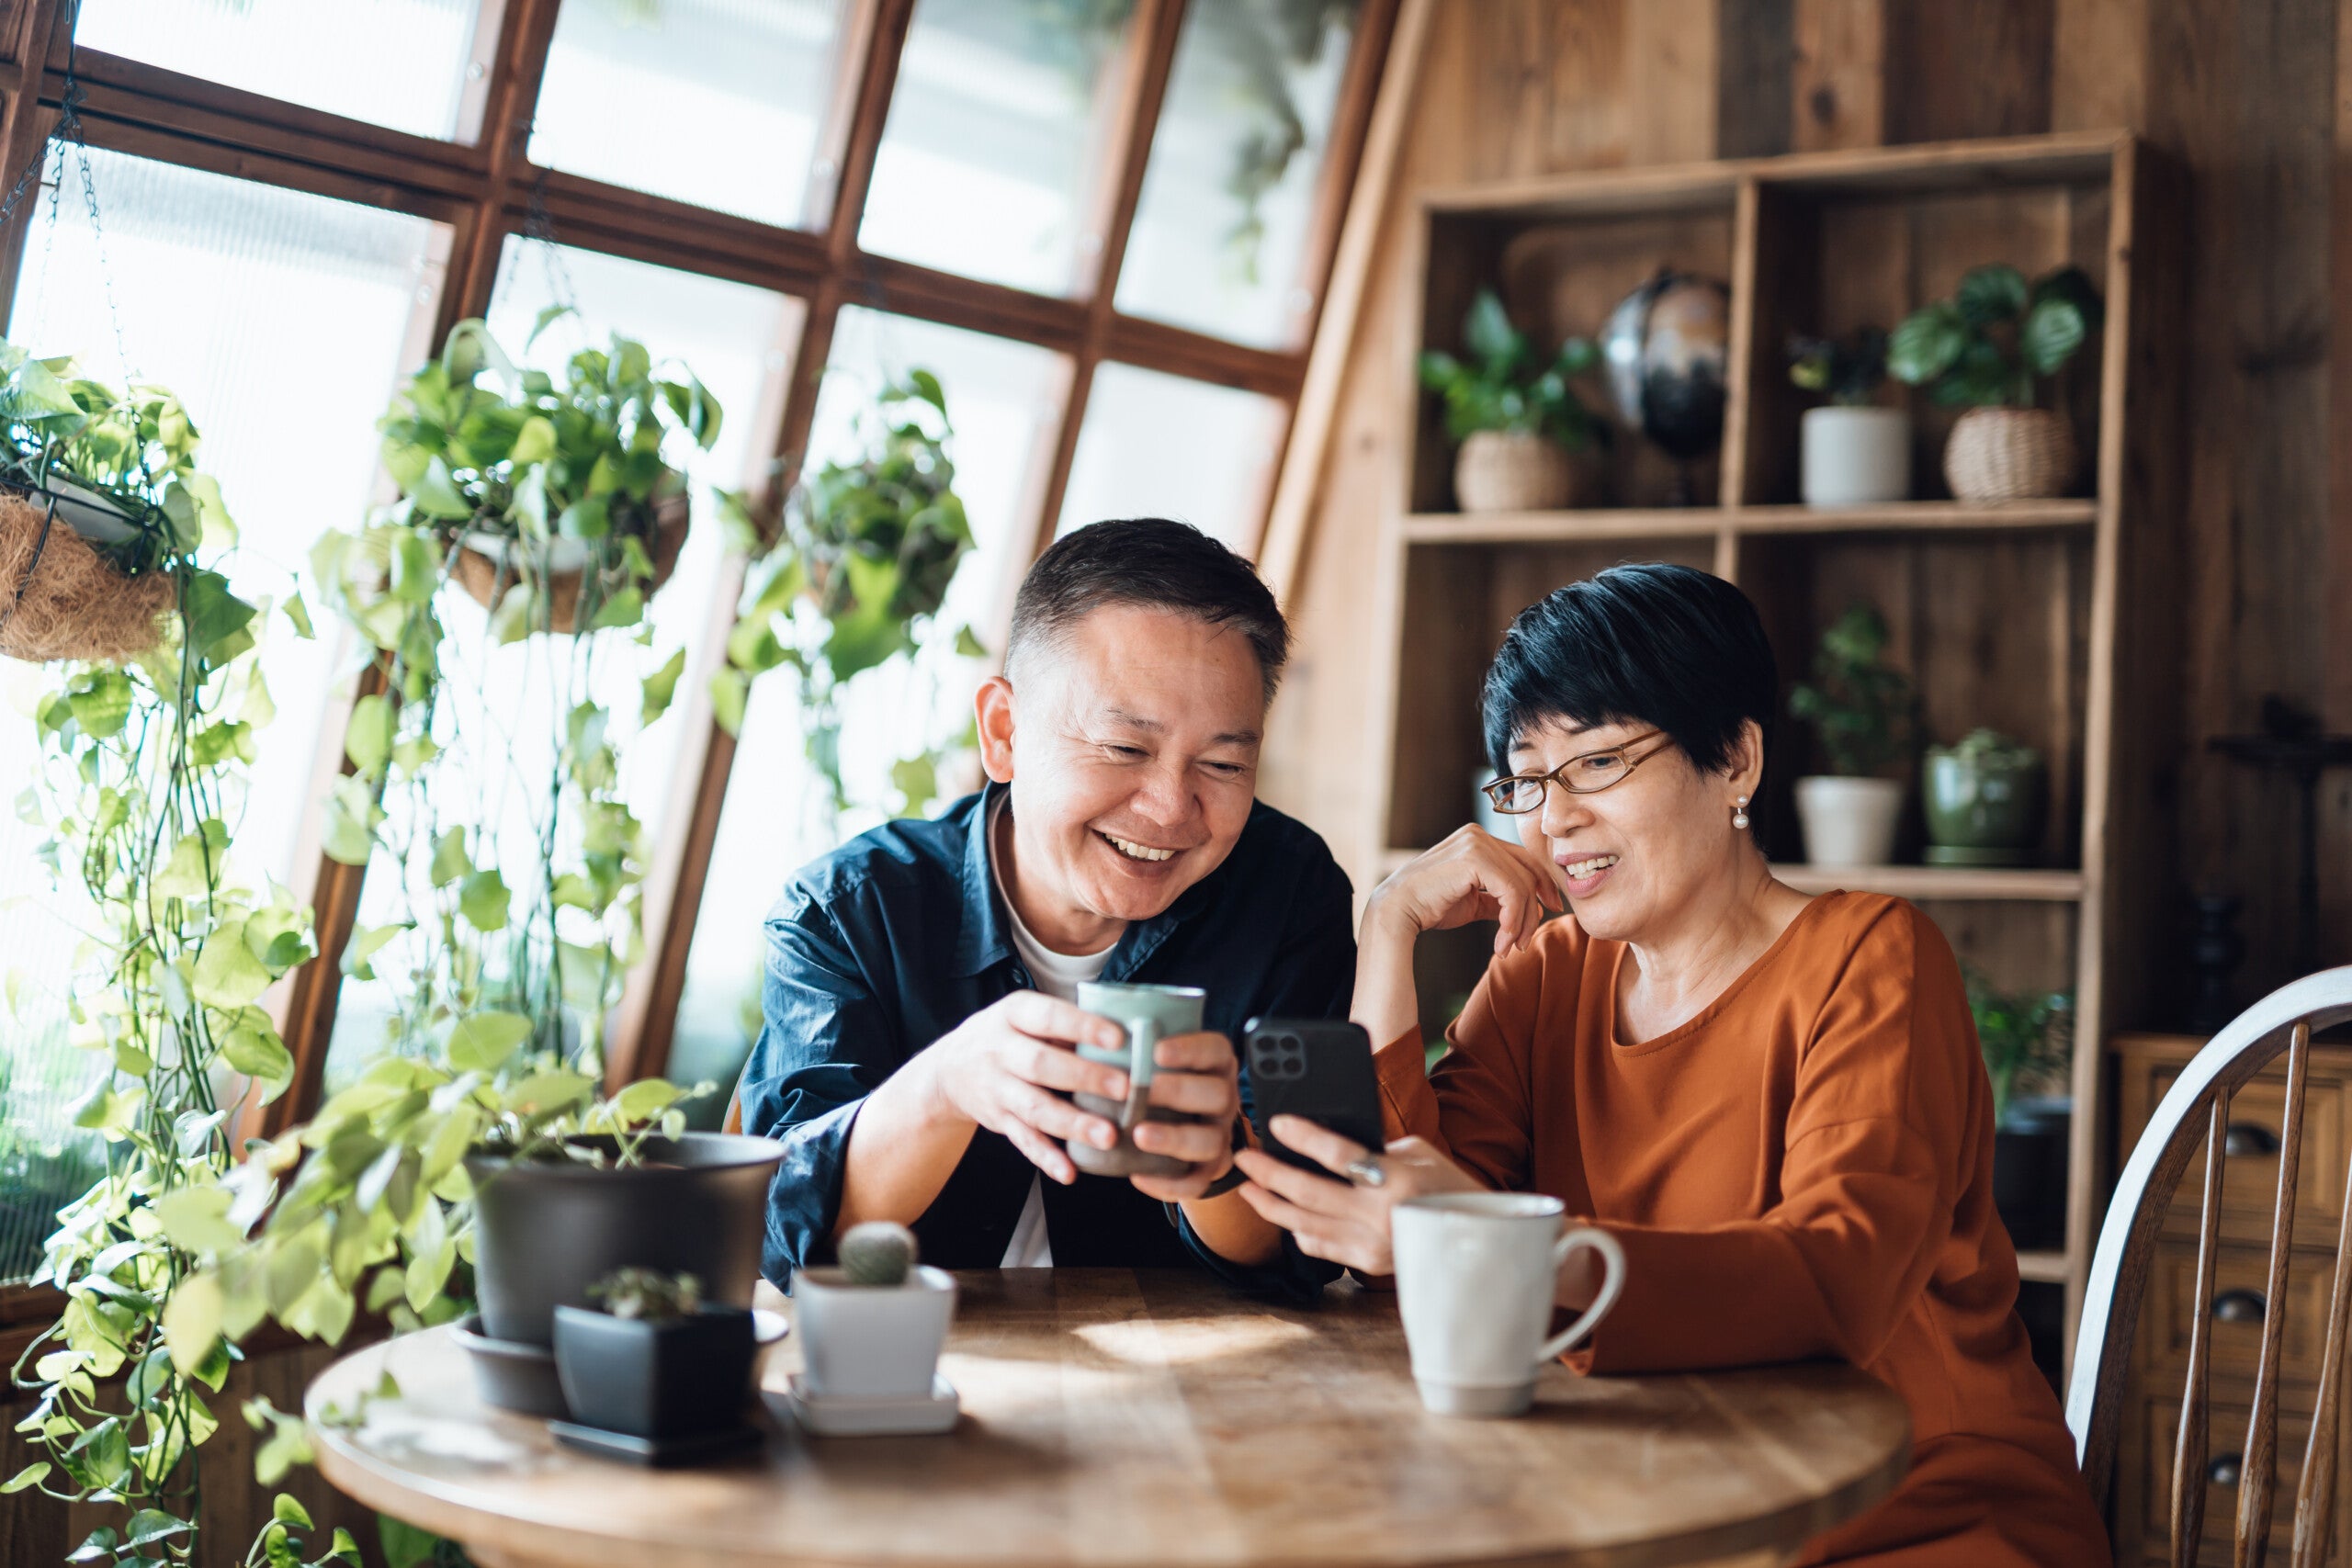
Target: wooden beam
{"points": [[1292, 515], [1839, 92], [645, 1024]]}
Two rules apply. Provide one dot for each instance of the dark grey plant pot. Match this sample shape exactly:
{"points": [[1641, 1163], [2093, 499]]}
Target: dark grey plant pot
{"points": [[546, 1232], [680, 1379], [2030, 1171]]}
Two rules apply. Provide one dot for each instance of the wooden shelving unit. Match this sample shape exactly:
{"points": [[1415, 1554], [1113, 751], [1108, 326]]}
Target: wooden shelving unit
{"points": [[2021, 617]]}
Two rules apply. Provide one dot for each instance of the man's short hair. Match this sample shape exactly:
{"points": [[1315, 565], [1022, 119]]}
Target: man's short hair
{"points": [[1154, 563]]}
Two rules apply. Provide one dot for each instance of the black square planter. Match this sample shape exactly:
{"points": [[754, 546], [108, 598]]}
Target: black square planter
{"points": [[683, 1378]]}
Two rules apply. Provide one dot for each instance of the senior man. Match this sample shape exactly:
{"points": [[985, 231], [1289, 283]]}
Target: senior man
{"points": [[918, 1003]]}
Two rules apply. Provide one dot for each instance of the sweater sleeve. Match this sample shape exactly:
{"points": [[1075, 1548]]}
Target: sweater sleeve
{"points": [[1484, 1082], [1883, 1121]]}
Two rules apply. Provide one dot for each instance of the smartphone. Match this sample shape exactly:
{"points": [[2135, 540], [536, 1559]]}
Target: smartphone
{"points": [[1318, 1069]]}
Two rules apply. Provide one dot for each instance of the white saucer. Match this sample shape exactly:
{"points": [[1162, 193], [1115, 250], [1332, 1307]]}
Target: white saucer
{"points": [[837, 1416]]}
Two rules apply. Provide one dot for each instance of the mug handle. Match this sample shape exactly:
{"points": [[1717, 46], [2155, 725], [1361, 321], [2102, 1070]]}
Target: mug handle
{"points": [[1612, 1281], [1143, 1043]]}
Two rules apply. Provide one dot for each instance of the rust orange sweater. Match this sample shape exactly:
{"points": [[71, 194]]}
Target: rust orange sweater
{"points": [[1804, 1169]]}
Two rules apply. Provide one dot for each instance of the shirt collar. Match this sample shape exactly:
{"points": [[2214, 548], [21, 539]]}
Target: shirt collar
{"points": [[984, 940]]}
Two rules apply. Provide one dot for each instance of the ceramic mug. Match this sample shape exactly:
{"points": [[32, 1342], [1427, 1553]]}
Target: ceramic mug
{"points": [[1475, 1276], [1148, 1014]]}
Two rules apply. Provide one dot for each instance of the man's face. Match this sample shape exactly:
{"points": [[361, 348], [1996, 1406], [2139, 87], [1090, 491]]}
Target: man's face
{"points": [[1131, 744]]}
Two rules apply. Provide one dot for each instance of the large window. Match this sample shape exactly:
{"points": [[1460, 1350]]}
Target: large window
{"points": [[981, 156], [308, 307]]}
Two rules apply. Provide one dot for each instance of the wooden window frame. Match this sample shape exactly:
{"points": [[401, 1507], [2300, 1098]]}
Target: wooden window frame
{"points": [[480, 185]]}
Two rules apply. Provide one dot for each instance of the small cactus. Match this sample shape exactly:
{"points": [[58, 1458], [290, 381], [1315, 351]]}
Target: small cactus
{"points": [[878, 1252], [649, 1295]]}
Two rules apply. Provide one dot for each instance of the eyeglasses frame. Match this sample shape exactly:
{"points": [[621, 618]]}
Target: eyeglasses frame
{"points": [[1554, 776]]}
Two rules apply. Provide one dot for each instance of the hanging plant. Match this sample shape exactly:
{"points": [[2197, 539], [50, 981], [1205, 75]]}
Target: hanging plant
{"points": [[555, 497], [859, 571], [141, 779]]}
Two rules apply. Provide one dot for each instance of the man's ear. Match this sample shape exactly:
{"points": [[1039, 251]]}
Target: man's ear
{"points": [[993, 715]]}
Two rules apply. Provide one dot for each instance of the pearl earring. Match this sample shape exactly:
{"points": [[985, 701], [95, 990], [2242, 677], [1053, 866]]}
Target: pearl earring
{"points": [[1739, 813]]}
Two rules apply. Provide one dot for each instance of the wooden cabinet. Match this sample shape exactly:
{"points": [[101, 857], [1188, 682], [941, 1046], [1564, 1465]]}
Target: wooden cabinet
{"points": [[2145, 1067]]}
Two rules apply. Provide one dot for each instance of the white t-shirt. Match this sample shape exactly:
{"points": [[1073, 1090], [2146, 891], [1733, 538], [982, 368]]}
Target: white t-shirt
{"points": [[1057, 975]]}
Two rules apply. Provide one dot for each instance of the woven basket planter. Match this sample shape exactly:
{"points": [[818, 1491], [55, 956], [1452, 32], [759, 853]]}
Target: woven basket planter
{"points": [[2010, 455], [1499, 471], [486, 577], [61, 599]]}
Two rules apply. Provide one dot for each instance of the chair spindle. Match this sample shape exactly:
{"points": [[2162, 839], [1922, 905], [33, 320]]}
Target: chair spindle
{"points": [[2315, 1500], [2259, 1480], [2188, 1478]]}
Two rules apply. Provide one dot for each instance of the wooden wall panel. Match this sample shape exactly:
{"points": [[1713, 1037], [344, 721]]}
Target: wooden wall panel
{"points": [[2255, 102]]}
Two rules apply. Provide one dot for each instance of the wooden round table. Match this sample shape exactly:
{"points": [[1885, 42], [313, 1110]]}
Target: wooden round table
{"points": [[1150, 1420]]}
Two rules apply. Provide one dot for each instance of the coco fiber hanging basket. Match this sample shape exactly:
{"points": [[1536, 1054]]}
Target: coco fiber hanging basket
{"points": [[61, 599]]}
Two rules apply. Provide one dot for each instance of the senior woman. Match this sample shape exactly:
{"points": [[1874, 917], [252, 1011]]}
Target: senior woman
{"points": [[1775, 1103]]}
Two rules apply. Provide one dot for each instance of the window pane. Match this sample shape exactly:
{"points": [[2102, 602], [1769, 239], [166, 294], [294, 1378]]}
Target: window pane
{"points": [[307, 304], [503, 705], [747, 82], [1230, 189], [403, 64], [983, 168], [1157, 445], [1003, 398]]}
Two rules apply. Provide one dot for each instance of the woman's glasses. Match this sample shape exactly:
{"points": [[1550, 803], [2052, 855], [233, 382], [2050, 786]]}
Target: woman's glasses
{"points": [[1586, 774]]}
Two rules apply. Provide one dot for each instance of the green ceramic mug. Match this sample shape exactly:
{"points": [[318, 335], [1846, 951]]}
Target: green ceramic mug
{"points": [[1148, 1014]]}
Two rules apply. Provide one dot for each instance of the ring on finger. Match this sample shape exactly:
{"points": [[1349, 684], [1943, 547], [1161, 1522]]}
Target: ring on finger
{"points": [[1367, 1172]]}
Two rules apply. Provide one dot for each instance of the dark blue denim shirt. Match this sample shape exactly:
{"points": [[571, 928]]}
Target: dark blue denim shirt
{"points": [[885, 944]]}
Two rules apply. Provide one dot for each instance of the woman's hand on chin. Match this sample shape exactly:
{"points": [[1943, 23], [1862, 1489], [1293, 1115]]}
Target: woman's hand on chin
{"points": [[1337, 1219], [1471, 875]]}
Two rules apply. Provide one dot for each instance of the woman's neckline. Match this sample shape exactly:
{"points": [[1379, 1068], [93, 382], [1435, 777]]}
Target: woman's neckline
{"points": [[1721, 999]]}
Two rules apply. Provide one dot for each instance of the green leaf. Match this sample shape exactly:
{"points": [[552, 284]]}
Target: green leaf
{"points": [[102, 705], [192, 1321], [252, 1048], [2053, 330], [1990, 295], [482, 900], [30, 1476], [298, 614], [967, 644], [217, 621], [196, 1220], [866, 632], [534, 443], [416, 566], [104, 1111], [286, 1510], [587, 518], [625, 608], [278, 936], [195, 862], [450, 861], [363, 944], [436, 495], [227, 974], [346, 827], [148, 1526], [658, 689], [547, 316], [482, 1040], [368, 738], [918, 781], [1487, 333], [729, 691], [511, 622], [1925, 344]]}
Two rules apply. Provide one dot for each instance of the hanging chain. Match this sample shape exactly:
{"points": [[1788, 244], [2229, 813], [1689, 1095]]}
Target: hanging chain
{"points": [[539, 227]]}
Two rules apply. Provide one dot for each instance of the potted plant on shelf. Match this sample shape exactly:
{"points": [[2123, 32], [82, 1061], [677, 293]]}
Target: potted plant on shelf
{"points": [[2025, 1037], [1517, 422], [1861, 709], [654, 1373], [554, 498], [1985, 350], [1855, 452], [1983, 801], [871, 1329]]}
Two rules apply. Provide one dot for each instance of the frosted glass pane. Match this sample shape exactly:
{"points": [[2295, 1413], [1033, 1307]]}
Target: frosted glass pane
{"points": [[1221, 226], [306, 306], [1157, 445], [502, 712], [403, 64], [1004, 397], [748, 82], [985, 163]]}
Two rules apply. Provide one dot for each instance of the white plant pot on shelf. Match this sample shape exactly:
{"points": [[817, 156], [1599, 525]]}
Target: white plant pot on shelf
{"points": [[1849, 821], [1856, 457], [871, 1341]]}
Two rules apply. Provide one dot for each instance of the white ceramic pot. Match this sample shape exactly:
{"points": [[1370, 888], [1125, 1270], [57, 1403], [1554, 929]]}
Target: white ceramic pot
{"points": [[871, 1341], [1849, 821], [1856, 457]]}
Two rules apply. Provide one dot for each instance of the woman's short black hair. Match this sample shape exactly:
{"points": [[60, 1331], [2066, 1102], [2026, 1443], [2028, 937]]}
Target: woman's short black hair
{"points": [[1666, 647]]}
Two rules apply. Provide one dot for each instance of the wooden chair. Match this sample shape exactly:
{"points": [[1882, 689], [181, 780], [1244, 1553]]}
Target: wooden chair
{"points": [[2198, 1109]]}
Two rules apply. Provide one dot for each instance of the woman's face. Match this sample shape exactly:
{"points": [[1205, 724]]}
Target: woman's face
{"points": [[1632, 857]]}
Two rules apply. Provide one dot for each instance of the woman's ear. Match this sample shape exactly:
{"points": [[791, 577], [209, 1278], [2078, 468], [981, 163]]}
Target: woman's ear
{"points": [[992, 711], [1745, 764]]}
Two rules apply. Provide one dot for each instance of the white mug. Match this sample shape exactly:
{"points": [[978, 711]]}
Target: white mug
{"points": [[1475, 1279]]}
